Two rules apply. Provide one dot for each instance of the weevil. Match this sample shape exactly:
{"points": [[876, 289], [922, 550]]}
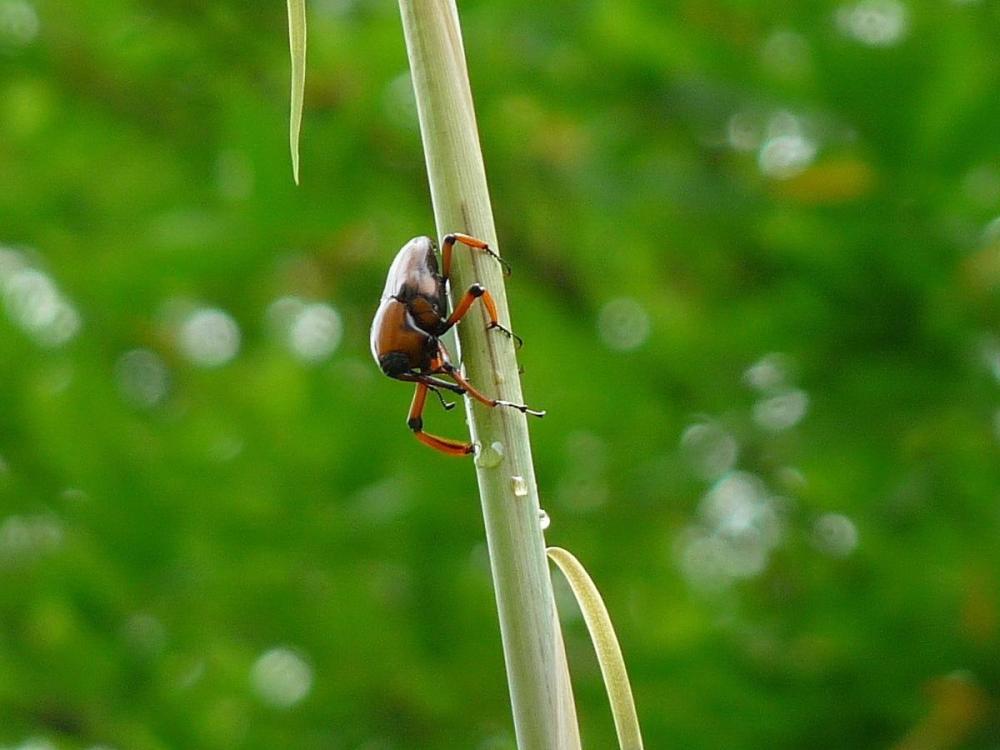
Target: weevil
{"points": [[411, 318]]}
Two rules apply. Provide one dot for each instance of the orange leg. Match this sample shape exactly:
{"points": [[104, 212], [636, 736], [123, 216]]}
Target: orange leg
{"points": [[478, 291], [416, 423], [449, 244]]}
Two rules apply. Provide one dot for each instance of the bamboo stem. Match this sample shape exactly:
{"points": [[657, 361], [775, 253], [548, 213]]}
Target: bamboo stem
{"points": [[540, 698]]}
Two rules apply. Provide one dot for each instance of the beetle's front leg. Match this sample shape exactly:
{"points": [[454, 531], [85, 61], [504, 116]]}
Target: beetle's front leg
{"points": [[518, 341], [449, 245]]}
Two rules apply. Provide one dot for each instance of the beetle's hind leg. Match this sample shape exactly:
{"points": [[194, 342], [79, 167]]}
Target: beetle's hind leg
{"points": [[478, 291], [449, 244], [415, 422]]}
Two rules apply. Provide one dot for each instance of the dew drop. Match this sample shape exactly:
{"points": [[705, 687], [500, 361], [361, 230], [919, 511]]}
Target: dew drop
{"points": [[281, 677], [543, 519], [26, 539], [835, 534], [782, 411], [281, 315], [209, 337], [623, 324], [770, 373], [18, 24], [744, 131], [877, 23], [315, 333], [520, 486], [785, 156], [35, 303], [490, 456], [710, 450], [142, 378]]}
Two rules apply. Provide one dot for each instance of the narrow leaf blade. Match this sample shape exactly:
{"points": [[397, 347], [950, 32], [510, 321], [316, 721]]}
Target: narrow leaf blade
{"points": [[297, 47], [609, 653], [569, 727]]}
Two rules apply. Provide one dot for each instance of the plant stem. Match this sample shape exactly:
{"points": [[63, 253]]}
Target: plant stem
{"points": [[506, 476]]}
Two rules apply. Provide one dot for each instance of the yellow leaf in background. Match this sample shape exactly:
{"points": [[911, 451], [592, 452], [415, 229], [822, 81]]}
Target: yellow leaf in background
{"points": [[832, 181]]}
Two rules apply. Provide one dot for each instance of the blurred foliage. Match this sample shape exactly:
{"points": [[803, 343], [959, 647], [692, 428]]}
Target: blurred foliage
{"points": [[756, 272]]}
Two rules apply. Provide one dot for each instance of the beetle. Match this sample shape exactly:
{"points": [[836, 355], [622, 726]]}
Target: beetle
{"points": [[411, 318]]}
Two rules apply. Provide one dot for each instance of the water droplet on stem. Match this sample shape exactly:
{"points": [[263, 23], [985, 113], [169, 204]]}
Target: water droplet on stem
{"points": [[520, 486], [543, 519], [490, 456]]}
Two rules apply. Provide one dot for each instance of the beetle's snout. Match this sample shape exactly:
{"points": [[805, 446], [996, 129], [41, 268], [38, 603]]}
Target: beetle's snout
{"points": [[394, 363]]}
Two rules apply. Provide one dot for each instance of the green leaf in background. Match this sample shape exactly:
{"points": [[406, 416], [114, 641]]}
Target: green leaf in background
{"points": [[297, 46]]}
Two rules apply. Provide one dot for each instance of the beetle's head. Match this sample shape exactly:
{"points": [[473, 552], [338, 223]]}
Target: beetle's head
{"points": [[394, 364]]}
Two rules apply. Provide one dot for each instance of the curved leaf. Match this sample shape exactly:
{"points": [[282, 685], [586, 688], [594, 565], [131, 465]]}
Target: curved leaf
{"points": [[609, 653]]}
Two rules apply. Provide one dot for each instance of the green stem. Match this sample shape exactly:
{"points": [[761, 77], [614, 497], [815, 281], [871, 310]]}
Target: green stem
{"points": [[540, 697]]}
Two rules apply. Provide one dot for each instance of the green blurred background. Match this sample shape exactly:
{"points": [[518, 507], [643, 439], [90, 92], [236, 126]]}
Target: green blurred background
{"points": [[756, 265]]}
